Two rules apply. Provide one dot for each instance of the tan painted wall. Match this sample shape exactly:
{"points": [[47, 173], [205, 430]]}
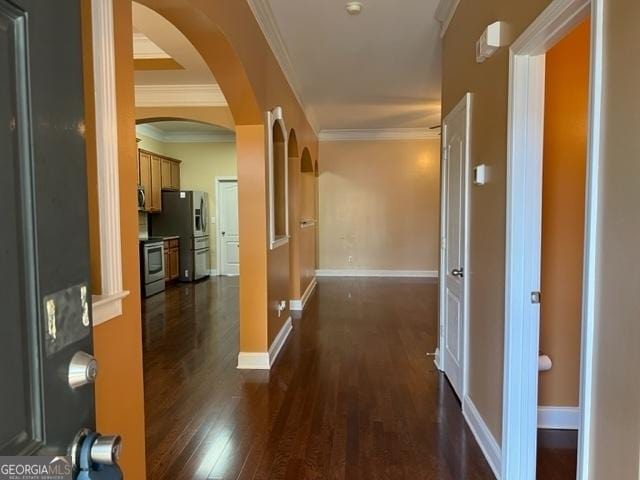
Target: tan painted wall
{"points": [[488, 82], [379, 204], [563, 199], [118, 343], [616, 427]]}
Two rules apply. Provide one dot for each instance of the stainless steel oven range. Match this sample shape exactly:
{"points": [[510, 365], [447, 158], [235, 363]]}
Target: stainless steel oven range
{"points": [[152, 268]]}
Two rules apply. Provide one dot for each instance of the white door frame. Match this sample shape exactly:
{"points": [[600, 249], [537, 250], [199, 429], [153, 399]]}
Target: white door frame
{"points": [[465, 103], [523, 235], [218, 181]]}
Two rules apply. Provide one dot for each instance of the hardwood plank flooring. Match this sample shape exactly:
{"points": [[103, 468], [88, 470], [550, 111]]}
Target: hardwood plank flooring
{"points": [[352, 395], [557, 454]]}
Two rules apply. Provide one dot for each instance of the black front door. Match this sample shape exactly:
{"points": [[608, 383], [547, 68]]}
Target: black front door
{"points": [[45, 297]]}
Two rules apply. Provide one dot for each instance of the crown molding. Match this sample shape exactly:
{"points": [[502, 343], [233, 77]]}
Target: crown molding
{"points": [[267, 22], [145, 49], [378, 134], [180, 96], [148, 130], [444, 14]]}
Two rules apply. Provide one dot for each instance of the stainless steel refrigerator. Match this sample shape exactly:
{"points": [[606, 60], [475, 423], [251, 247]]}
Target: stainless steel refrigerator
{"points": [[185, 214]]}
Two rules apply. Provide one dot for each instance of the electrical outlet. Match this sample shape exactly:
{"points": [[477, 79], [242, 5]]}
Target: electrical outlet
{"points": [[350, 259]]}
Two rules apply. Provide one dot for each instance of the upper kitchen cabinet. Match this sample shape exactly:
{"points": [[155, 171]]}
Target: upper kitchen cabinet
{"points": [[156, 184], [170, 174], [144, 159], [157, 173]]}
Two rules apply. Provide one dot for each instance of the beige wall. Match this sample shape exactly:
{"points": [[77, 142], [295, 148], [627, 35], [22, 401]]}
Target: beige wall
{"points": [[151, 144], [488, 82], [563, 194], [616, 423], [379, 204]]}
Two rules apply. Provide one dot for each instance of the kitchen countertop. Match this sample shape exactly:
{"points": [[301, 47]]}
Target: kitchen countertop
{"points": [[174, 237]]}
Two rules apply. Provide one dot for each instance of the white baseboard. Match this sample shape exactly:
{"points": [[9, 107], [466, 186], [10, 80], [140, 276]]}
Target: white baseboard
{"points": [[265, 360], [253, 361], [279, 341], [298, 305], [213, 272], [483, 435], [559, 418], [376, 273]]}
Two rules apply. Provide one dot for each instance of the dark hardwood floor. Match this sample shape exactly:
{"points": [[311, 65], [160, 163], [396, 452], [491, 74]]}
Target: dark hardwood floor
{"points": [[557, 454], [351, 396]]}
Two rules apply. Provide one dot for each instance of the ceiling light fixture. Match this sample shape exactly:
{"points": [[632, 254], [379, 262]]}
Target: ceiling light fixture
{"points": [[354, 8]]}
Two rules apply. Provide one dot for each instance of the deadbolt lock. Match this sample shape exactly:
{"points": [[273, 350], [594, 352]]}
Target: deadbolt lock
{"points": [[83, 369]]}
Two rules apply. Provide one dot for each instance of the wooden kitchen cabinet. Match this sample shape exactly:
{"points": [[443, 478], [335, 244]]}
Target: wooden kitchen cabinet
{"points": [[156, 185], [170, 174], [166, 174], [144, 159], [171, 259], [157, 173], [175, 175]]}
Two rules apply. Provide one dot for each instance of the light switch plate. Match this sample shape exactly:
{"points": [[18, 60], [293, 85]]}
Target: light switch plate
{"points": [[480, 174]]}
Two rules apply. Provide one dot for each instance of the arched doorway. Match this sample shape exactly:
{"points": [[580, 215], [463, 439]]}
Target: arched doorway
{"points": [[206, 36]]}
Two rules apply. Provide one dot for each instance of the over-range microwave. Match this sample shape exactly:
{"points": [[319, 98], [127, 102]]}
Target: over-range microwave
{"points": [[142, 198]]}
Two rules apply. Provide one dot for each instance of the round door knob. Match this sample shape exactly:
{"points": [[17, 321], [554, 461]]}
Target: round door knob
{"points": [[457, 272]]}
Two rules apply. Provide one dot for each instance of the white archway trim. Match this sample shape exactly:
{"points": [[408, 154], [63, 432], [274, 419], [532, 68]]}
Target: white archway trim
{"points": [[108, 305]]}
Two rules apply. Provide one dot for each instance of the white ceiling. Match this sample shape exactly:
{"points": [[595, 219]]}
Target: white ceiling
{"points": [[377, 70], [167, 38]]}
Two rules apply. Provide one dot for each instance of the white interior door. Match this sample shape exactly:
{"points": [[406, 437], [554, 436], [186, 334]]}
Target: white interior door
{"points": [[228, 228], [453, 308]]}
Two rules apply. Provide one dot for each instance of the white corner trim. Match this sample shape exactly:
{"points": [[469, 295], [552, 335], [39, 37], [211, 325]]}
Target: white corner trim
{"points": [[213, 272], [444, 14], [298, 305], [376, 273], [267, 22], [106, 307], [109, 305], [559, 418], [265, 360], [253, 361], [145, 49], [484, 437], [150, 130], [344, 135], [206, 95]]}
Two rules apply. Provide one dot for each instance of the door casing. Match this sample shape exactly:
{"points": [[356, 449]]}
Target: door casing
{"points": [[465, 104], [219, 240], [523, 233]]}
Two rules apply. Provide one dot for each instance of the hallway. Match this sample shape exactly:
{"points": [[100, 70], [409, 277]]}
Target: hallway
{"points": [[352, 394]]}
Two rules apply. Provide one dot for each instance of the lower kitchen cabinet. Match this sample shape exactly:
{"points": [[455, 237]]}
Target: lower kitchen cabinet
{"points": [[171, 259]]}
